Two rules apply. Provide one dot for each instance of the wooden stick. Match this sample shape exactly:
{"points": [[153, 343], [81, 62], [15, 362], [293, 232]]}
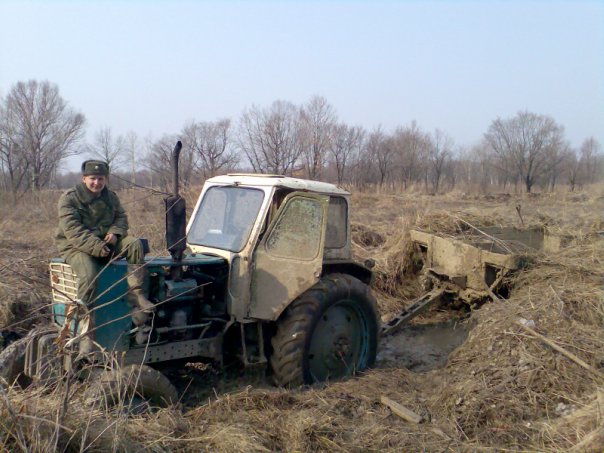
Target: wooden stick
{"points": [[518, 209], [441, 433], [561, 350], [499, 242], [490, 291], [400, 410]]}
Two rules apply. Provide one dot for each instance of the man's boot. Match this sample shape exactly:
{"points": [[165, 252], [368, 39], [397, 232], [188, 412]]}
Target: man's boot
{"points": [[140, 306], [86, 344], [136, 289]]}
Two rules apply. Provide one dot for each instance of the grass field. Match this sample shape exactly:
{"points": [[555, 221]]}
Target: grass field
{"points": [[502, 389]]}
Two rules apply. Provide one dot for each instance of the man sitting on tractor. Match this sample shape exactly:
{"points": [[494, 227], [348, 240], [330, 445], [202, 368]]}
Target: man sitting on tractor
{"points": [[93, 228]]}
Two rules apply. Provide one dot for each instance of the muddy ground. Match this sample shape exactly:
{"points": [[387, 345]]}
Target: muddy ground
{"points": [[422, 347], [417, 347]]}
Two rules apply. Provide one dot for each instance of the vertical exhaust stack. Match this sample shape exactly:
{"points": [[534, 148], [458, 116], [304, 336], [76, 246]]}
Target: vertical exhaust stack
{"points": [[176, 220]]}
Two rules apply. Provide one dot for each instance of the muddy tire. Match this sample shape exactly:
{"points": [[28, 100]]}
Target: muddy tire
{"points": [[12, 364], [48, 369], [114, 387], [329, 332]]}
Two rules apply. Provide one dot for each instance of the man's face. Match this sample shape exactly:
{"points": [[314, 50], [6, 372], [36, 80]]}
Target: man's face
{"points": [[95, 183]]}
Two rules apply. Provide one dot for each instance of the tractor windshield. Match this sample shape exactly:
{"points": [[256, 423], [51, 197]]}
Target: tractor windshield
{"points": [[225, 217]]}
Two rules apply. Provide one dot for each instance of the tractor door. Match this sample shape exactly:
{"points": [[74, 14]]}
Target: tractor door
{"points": [[289, 258]]}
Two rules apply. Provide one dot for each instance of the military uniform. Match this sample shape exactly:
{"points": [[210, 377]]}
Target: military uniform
{"points": [[85, 220]]}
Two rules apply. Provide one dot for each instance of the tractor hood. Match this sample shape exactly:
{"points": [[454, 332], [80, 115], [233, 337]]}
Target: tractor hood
{"points": [[194, 259]]}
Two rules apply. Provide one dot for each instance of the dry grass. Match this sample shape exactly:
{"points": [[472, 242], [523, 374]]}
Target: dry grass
{"points": [[501, 390]]}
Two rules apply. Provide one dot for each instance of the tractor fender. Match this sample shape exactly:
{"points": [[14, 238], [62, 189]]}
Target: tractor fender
{"points": [[349, 267]]}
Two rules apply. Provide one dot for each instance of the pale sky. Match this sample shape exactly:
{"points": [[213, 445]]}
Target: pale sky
{"points": [[151, 66]]}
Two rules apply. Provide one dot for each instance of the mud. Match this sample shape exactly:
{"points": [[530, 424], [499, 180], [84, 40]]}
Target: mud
{"points": [[200, 383], [422, 347], [417, 347]]}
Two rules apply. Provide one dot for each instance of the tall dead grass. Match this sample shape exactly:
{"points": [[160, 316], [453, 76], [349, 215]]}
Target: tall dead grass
{"points": [[503, 389], [503, 385]]}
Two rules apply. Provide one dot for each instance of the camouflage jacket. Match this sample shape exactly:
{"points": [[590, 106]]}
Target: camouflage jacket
{"points": [[84, 220]]}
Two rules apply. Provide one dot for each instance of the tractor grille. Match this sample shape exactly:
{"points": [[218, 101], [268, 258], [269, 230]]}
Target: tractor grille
{"points": [[64, 283]]}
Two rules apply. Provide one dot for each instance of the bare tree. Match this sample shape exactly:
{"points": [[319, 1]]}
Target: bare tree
{"points": [[453, 167], [318, 119], [591, 159], [411, 146], [380, 149], [439, 155], [269, 138], [107, 147], [483, 172], [159, 162], [524, 144], [364, 170], [557, 155], [131, 153], [468, 167], [39, 130], [211, 142], [573, 169], [346, 141], [13, 162]]}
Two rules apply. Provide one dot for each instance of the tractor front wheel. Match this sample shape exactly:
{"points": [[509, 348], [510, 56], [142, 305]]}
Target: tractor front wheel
{"points": [[12, 363], [122, 385], [12, 359], [329, 332]]}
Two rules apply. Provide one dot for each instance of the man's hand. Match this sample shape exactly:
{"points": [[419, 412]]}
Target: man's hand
{"points": [[110, 239], [105, 251]]}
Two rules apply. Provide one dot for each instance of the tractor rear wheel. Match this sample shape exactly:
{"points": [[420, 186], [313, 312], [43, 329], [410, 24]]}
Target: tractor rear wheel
{"points": [[329, 332]]}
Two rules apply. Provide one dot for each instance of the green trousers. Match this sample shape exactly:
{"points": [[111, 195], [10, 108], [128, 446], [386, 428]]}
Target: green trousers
{"points": [[87, 267]]}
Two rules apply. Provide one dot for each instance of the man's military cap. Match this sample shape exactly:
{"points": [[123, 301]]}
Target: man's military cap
{"points": [[95, 167]]}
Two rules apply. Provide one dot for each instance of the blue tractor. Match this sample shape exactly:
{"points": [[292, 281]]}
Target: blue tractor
{"points": [[267, 277]]}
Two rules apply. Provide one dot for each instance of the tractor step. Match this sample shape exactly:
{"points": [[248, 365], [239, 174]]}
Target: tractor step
{"points": [[418, 306]]}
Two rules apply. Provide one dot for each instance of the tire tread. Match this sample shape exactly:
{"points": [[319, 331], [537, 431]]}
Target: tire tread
{"points": [[289, 341]]}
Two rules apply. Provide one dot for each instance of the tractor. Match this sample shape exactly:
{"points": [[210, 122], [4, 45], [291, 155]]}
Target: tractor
{"points": [[262, 272]]}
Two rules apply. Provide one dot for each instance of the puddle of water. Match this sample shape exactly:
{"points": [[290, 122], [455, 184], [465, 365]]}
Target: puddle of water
{"points": [[422, 347]]}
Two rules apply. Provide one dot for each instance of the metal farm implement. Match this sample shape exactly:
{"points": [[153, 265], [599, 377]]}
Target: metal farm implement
{"points": [[470, 267]]}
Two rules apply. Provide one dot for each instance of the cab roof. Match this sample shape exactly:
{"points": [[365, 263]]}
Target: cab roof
{"points": [[256, 179]]}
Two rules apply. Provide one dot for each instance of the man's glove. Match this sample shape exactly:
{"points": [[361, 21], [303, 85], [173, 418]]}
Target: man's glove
{"points": [[105, 251]]}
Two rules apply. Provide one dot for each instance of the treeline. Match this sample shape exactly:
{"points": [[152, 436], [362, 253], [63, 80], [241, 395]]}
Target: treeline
{"points": [[38, 131]]}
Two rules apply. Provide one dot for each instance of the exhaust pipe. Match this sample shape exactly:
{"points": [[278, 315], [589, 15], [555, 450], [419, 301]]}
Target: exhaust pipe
{"points": [[176, 220]]}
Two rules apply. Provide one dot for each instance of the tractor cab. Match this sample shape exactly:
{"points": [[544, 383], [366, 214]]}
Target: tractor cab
{"points": [[270, 228]]}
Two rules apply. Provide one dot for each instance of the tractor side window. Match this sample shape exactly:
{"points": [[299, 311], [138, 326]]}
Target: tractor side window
{"points": [[337, 214], [297, 233]]}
